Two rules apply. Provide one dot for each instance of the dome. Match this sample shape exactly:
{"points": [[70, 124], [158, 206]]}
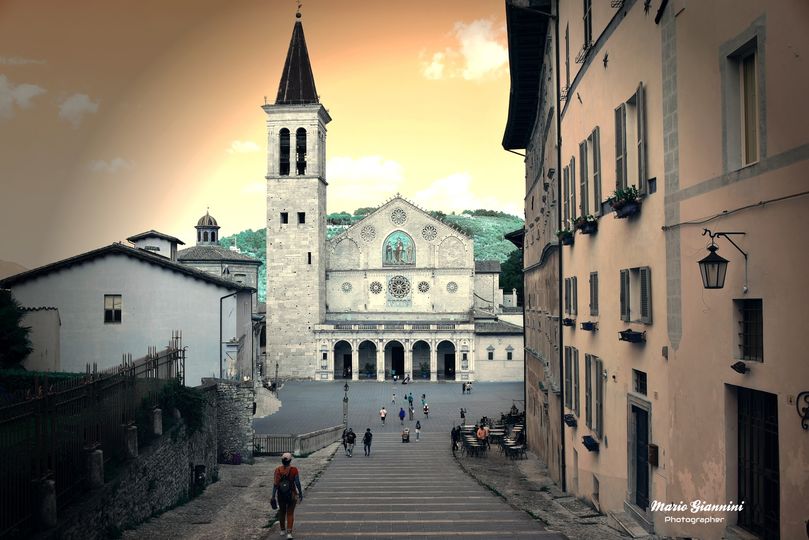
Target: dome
{"points": [[207, 221]]}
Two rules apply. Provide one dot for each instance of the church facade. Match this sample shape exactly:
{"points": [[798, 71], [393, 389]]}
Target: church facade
{"points": [[392, 296]]}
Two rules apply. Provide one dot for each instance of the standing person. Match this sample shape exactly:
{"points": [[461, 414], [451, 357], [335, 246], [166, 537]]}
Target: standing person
{"points": [[382, 414], [423, 399], [411, 410], [393, 399], [351, 438], [418, 430], [463, 415], [366, 441], [286, 480], [463, 388], [426, 411], [401, 415], [410, 398], [454, 436]]}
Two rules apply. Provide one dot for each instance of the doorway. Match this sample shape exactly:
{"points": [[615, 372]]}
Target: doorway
{"points": [[394, 360], [640, 424]]}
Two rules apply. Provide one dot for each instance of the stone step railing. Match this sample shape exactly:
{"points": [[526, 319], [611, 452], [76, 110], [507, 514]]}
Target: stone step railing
{"points": [[297, 445]]}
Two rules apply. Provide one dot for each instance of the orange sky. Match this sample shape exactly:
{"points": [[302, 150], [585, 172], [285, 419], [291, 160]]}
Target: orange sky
{"points": [[119, 116]]}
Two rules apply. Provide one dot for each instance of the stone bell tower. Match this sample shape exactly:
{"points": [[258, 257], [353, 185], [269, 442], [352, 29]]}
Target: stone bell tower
{"points": [[296, 215]]}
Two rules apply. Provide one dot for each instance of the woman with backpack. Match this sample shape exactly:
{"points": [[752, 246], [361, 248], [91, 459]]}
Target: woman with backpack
{"points": [[286, 480]]}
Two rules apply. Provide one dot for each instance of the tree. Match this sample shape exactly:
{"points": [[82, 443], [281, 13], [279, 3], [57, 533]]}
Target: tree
{"points": [[364, 211], [15, 343], [511, 276]]}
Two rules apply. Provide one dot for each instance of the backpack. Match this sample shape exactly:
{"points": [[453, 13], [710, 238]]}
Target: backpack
{"points": [[366, 439], [351, 437], [285, 487]]}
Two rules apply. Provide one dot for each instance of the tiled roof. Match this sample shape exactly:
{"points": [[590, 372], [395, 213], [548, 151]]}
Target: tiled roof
{"points": [[297, 86], [154, 234], [497, 327], [214, 253], [487, 267]]}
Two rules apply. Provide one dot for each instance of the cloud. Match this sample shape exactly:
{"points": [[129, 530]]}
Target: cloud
{"points": [[243, 147], [453, 193], [110, 167], [364, 180], [18, 61], [75, 107], [480, 52], [12, 96]]}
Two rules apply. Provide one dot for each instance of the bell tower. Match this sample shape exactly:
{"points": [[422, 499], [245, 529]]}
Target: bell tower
{"points": [[296, 215]]}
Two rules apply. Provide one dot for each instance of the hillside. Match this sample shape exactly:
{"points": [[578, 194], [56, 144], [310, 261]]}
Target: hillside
{"points": [[486, 227]]}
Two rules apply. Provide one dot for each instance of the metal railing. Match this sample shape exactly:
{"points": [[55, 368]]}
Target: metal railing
{"points": [[298, 445]]}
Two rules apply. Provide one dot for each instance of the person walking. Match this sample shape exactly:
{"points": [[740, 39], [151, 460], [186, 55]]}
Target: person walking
{"points": [[411, 410], [393, 398], [401, 415], [454, 435], [426, 411], [382, 414], [366, 441], [463, 415], [351, 438], [463, 388], [286, 480], [418, 430]]}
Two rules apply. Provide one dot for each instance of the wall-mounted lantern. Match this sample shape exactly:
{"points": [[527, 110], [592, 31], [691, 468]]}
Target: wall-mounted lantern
{"points": [[713, 268]]}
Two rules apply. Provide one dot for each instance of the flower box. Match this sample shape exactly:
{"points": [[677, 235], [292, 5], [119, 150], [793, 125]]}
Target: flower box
{"points": [[570, 420], [565, 237], [590, 443], [627, 210], [568, 322], [625, 202], [632, 337], [590, 326], [586, 224]]}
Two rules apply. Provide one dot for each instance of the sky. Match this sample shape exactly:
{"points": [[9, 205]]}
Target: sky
{"points": [[120, 116]]}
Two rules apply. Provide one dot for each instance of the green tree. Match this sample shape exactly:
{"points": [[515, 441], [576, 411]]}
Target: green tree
{"points": [[511, 276], [364, 211], [15, 343]]}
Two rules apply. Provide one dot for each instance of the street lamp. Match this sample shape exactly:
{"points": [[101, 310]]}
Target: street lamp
{"points": [[714, 267], [345, 405]]}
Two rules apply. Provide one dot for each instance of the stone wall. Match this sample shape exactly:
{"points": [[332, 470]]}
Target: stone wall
{"points": [[234, 418]]}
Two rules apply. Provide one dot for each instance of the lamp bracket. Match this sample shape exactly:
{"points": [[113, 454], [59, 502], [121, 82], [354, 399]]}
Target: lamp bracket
{"points": [[727, 235]]}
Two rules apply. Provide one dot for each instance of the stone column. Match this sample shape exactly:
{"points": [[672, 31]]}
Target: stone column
{"points": [[131, 440], [433, 361], [408, 360], [95, 468], [380, 364], [331, 361], [157, 422], [355, 362]]}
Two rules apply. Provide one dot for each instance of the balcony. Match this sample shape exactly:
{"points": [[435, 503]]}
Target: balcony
{"points": [[394, 326]]}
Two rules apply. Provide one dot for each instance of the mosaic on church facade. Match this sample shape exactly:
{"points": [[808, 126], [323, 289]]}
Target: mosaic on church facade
{"points": [[398, 250]]}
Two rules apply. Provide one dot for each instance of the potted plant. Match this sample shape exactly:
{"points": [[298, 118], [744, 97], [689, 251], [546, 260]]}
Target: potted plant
{"points": [[590, 443], [589, 325], [568, 322], [565, 237], [570, 420], [631, 336], [625, 201], [586, 224]]}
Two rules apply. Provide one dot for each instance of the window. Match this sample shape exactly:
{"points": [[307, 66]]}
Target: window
{"points": [[630, 142], [594, 393], [309, 257], [750, 320], [112, 308], [205, 236], [490, 350], [636, 294], [509, 353], [283, 142], [571, 296], [572, 193], [566, 197], [747, 77], [575, 362], [594, 166], [584, 194], [284, 218], [588, 23], [639, 381], [593, 293], [568, 377], [301, 218], [300, 151]]}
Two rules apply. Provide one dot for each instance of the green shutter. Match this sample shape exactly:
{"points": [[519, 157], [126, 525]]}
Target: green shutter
{"points": [[645, 295], [599, 384], [576, 381], [597, 171], [568, 381], [641, 130], [625, 295], [566, 197], [588, 391], [572, 189], [620, 147], [583, 203], [574, 306]]}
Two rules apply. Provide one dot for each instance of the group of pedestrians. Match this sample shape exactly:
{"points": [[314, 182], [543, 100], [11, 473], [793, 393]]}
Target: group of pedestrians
{"points": [[466, 388], [350, 438]]}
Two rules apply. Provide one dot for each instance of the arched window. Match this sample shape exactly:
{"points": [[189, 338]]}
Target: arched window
{"points": [[283, 165], [199, 236], [300, 150], [213, 237], [205, 236]]}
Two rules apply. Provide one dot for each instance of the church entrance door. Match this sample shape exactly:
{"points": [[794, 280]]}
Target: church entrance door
{"points": [[446, 360], [342, 360], [394, 360], [449, 366]]}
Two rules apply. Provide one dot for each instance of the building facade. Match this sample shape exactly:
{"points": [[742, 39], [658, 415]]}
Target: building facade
{"points": [[675, 118]]}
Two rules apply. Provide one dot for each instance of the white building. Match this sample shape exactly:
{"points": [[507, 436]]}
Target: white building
{"points": [[395, 294]]}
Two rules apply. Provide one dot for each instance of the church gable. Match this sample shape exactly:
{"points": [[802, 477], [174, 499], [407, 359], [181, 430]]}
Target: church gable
{"points": [[400, 235]]}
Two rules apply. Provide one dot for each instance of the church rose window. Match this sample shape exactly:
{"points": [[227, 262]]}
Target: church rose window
{"points": [[452, 287], [368, 233], [346, 287], [376, 287], [429, 233], [399, 287], [398, 216], [424, 286]]}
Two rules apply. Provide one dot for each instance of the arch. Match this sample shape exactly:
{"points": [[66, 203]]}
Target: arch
{"points": [[421, 360], [300, 151], [451, 252], [205, 236], [199, 236], [366, 352], [398, 249], [445, 352], [342, 360], [394, 359], [213, 236], [283, 142], [345, 255]]}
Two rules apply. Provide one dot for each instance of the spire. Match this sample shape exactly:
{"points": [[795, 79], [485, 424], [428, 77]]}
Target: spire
{"points": [[297, 85]]}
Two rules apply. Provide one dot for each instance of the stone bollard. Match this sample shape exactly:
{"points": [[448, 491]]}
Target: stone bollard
{"points": [[131, 441], [157, 422], [95, 469], [46, 492]]}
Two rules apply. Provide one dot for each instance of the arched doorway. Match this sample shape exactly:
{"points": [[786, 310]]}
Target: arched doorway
{"points": [[394, 360], [421, 360], [446, 361], [367, 360], [342, 360]]}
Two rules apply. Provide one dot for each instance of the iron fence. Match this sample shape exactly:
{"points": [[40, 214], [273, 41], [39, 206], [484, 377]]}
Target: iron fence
{"points": [[48, 436]]}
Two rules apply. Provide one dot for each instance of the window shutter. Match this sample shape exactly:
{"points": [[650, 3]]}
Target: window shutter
{"points": [[625, 295], [599, 384], [576, 381], [566, 196], [620, 147], [583, 203], [597, 171], [572, 189], [593, 293], [646, 295], [574, 306], [567, 295], [641, 116], [568, 390], [588, 391]]}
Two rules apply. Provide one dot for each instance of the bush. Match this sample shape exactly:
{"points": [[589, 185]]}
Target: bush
{"points": [[189, 401]]}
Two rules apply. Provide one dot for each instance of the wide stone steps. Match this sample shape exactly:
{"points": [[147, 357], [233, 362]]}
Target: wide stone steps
{"points": [[406, 490]]}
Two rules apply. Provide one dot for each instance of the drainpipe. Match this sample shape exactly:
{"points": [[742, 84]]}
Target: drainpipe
{"points": [[220, 330]]}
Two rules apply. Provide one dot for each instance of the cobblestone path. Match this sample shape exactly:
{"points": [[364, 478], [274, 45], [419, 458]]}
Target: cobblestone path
{"points": [[407, 490]]}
